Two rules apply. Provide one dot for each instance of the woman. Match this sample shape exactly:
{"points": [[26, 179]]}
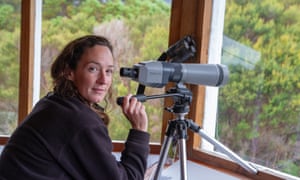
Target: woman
{"points": [[65, 136]]}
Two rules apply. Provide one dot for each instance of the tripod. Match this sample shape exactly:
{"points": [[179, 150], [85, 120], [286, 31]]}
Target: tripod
{"points": [[178, 128]]}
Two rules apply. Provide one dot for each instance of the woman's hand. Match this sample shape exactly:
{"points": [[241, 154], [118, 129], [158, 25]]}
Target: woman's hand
{"points": [[135, 113]]}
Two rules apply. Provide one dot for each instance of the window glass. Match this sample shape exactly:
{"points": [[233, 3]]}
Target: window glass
{"points": [[138, 30], [259, 109], [9, 64]]}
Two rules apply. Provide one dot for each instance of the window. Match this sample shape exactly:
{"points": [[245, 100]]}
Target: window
{"points": [[258, 110], [9, 65]]}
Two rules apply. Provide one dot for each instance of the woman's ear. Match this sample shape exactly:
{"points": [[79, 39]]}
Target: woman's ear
{"points": [[69, 74]]}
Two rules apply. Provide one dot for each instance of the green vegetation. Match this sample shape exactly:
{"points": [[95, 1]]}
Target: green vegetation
{"points": [[259, 108]]}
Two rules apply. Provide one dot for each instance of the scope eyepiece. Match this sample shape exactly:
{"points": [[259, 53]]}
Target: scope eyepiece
{"points": [[129, 72]]}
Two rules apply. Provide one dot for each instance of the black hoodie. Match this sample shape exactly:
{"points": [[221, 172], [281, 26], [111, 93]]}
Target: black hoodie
{"points": [[62, 138]]}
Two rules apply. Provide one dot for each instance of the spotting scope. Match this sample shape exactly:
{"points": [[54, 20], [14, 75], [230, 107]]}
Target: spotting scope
{"points": [[157, 74]]}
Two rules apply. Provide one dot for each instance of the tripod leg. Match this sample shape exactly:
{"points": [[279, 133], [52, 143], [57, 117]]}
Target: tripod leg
{"points": [[163, 156], [164, 149], [228, 152], [193, 126], [182, 155], [182, 133]]}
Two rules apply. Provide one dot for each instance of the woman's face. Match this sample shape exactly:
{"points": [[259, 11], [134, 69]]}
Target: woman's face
{"points": [[93, 74]]}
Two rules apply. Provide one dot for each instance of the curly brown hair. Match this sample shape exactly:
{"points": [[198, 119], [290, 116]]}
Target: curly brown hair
{"points": [[68, 60]]}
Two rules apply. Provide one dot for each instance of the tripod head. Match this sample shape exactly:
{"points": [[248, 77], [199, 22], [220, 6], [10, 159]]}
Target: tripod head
{"points": [[182, 99]]}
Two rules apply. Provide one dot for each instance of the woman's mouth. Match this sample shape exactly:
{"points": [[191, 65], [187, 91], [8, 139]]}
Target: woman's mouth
{"points": [[99, 90]]}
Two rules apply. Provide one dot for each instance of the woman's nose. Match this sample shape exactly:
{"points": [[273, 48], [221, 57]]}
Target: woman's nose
{"points": [[102, 78]]}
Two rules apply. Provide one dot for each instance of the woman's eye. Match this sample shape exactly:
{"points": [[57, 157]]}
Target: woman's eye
{"points": [[109, 71], [92, 69]]}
